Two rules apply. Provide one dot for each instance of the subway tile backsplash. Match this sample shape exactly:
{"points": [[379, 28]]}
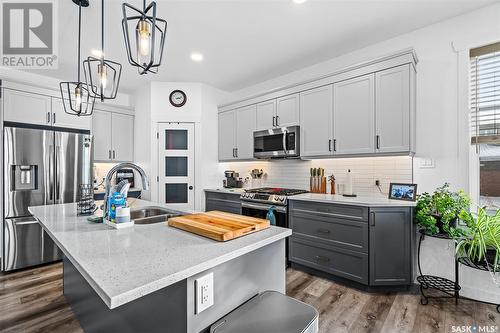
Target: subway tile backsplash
{"points": [[295, 173]]}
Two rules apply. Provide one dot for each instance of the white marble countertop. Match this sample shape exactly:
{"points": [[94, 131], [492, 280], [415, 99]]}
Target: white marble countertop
{"points": [[372, 201], [226, 190], [126, 264]]}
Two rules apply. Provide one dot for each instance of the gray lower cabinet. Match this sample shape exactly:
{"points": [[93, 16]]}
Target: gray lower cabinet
{"points": [[390, 246], [371, 246], [223, 201]]}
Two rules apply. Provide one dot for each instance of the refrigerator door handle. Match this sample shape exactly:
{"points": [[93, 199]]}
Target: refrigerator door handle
{"points": [[57, 173], [51, 174]]}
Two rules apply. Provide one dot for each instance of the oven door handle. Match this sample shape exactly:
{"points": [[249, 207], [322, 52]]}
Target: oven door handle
{"points": [[279, 209], [285, 132]]}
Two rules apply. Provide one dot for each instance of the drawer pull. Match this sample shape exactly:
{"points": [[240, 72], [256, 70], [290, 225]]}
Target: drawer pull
{"points": [[323, 231], [322, 258]]}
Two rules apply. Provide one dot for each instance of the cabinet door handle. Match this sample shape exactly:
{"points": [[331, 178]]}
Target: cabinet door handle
{"points": [[277, 120], [334, 144], [323, 231], [48, 117], [378, 141], [372, 222], [274, 121], [236, 152], [322, 258], [330, 145], [233, 153], [54, 117], [114, 154], [109, 154]]}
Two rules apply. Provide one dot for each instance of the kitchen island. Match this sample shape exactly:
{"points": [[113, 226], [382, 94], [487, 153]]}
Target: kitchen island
{"points": [[143, 278]]}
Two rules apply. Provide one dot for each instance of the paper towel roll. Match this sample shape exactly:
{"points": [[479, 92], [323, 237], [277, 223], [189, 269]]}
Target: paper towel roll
{"points": [[348, 186]]}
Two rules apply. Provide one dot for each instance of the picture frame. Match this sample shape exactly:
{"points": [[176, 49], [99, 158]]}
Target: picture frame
{"points": [[402, 191]]}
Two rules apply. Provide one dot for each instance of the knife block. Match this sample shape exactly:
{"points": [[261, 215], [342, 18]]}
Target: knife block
{"points": [[317, 184]]}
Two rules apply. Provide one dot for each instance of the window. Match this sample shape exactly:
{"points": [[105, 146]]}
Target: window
{"points": [[485, 120]]}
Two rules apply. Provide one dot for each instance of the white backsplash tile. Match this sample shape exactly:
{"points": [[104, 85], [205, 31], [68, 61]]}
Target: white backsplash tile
{"points": [[295, 173]]}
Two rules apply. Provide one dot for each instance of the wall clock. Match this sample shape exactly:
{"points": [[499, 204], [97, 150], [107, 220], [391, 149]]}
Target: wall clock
{"points": [[178, 98]]}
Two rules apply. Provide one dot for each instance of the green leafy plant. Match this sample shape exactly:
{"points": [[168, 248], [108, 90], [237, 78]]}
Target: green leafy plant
{"points": [[482, 241], [439, 212]]}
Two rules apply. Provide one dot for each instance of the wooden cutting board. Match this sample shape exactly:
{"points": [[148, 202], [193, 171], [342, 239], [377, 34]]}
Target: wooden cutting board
{"points": [[217, 225]]}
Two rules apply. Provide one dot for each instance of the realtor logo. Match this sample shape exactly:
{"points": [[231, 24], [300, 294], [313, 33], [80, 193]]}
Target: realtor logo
{"points": [[28, 34]]}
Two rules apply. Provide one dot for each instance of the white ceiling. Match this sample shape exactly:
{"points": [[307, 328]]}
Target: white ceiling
{"points": [[247, 42]]}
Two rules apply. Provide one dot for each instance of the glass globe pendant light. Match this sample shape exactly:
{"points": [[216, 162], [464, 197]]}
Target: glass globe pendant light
{"points": [[77, 99], [145, 49], [103, 75]]}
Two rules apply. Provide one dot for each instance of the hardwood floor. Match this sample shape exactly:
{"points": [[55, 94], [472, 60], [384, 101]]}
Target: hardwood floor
{"points": [[32, 301]]}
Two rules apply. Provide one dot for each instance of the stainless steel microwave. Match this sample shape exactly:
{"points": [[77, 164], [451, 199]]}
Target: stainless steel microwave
{"points": [[281, 142]]}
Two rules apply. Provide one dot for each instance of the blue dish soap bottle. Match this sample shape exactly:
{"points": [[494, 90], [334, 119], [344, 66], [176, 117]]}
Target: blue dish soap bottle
{"points": [[270, 215]]}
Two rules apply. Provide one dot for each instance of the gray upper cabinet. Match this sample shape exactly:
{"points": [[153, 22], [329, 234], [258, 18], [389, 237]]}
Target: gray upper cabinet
{"points": [[245, 126], [25, 107], [101, 129], [266, 115], [316, 121], [354, 116], [227, 135], [236, 129], [113, 136], [393, 110], [287, 110]]}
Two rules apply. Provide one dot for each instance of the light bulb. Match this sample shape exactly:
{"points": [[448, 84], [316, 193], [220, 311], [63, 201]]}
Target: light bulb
{"points": [[103, 75], [78, 97], [144, 37]]}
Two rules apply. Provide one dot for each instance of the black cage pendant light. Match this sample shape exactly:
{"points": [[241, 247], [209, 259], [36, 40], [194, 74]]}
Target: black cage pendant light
{"points": [[103, 75], [77, 99], [145, 49]]}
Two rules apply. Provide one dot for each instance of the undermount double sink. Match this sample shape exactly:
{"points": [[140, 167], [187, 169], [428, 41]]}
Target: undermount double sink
{"points": [[152, 214]]}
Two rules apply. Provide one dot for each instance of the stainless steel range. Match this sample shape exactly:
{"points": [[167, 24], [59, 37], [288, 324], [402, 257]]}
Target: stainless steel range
{"points": [[257, 202]]}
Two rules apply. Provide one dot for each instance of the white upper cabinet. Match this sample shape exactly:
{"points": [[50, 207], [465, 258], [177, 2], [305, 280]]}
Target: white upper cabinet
{"points": [[287, 110], [122, 130], [113, 136], [101, 130], [24, 107], [246, 123], [393, 110], [62, 119], [227, 135], [354, 116], [266, 115], [316, 121]]}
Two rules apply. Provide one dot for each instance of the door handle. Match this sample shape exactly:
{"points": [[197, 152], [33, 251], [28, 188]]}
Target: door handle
{"points": [[48, 117], [109, 154], [285, 132], [322, 258], [334, 144], [57, 168], [323, 231], [330, 145], [114, 154], [54, 117], [372, 222], [236, 152], [378, 141], [274, 121], [190, 187], [277, 120]]}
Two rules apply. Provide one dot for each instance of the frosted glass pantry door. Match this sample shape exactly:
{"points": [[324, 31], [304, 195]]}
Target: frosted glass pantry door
{"points": [[176, 165]]}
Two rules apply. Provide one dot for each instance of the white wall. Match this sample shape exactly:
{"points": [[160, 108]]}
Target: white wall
{"points": [[442, 114], [153, 107]]}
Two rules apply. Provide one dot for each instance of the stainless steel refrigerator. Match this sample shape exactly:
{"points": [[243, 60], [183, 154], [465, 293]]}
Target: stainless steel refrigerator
{"points": [[41, 167]]}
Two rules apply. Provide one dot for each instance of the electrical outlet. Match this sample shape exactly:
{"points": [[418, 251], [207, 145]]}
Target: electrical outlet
{"points": [[204, 290], [377, 182]]}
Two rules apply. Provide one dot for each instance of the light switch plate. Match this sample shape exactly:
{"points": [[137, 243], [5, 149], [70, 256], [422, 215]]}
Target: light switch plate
{"points": [[204, 294]]}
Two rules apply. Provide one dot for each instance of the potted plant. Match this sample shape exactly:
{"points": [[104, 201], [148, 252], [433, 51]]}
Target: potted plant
{"points": [[481, 244], [439, 212]]}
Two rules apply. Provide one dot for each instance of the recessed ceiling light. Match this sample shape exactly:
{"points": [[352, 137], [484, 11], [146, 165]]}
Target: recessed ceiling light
{"points": [[96, 53], [196, 56], [299, 1]]}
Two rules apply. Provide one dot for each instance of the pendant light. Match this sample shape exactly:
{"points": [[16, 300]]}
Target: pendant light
{"points": [[145, 49], [103, 75], [77, 100]]}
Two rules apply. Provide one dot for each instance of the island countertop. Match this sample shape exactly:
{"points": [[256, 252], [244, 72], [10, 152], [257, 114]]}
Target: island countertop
{"points": [[126, 264]]}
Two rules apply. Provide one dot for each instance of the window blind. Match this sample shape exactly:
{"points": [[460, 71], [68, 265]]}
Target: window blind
{"points": [[485, 94]]}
